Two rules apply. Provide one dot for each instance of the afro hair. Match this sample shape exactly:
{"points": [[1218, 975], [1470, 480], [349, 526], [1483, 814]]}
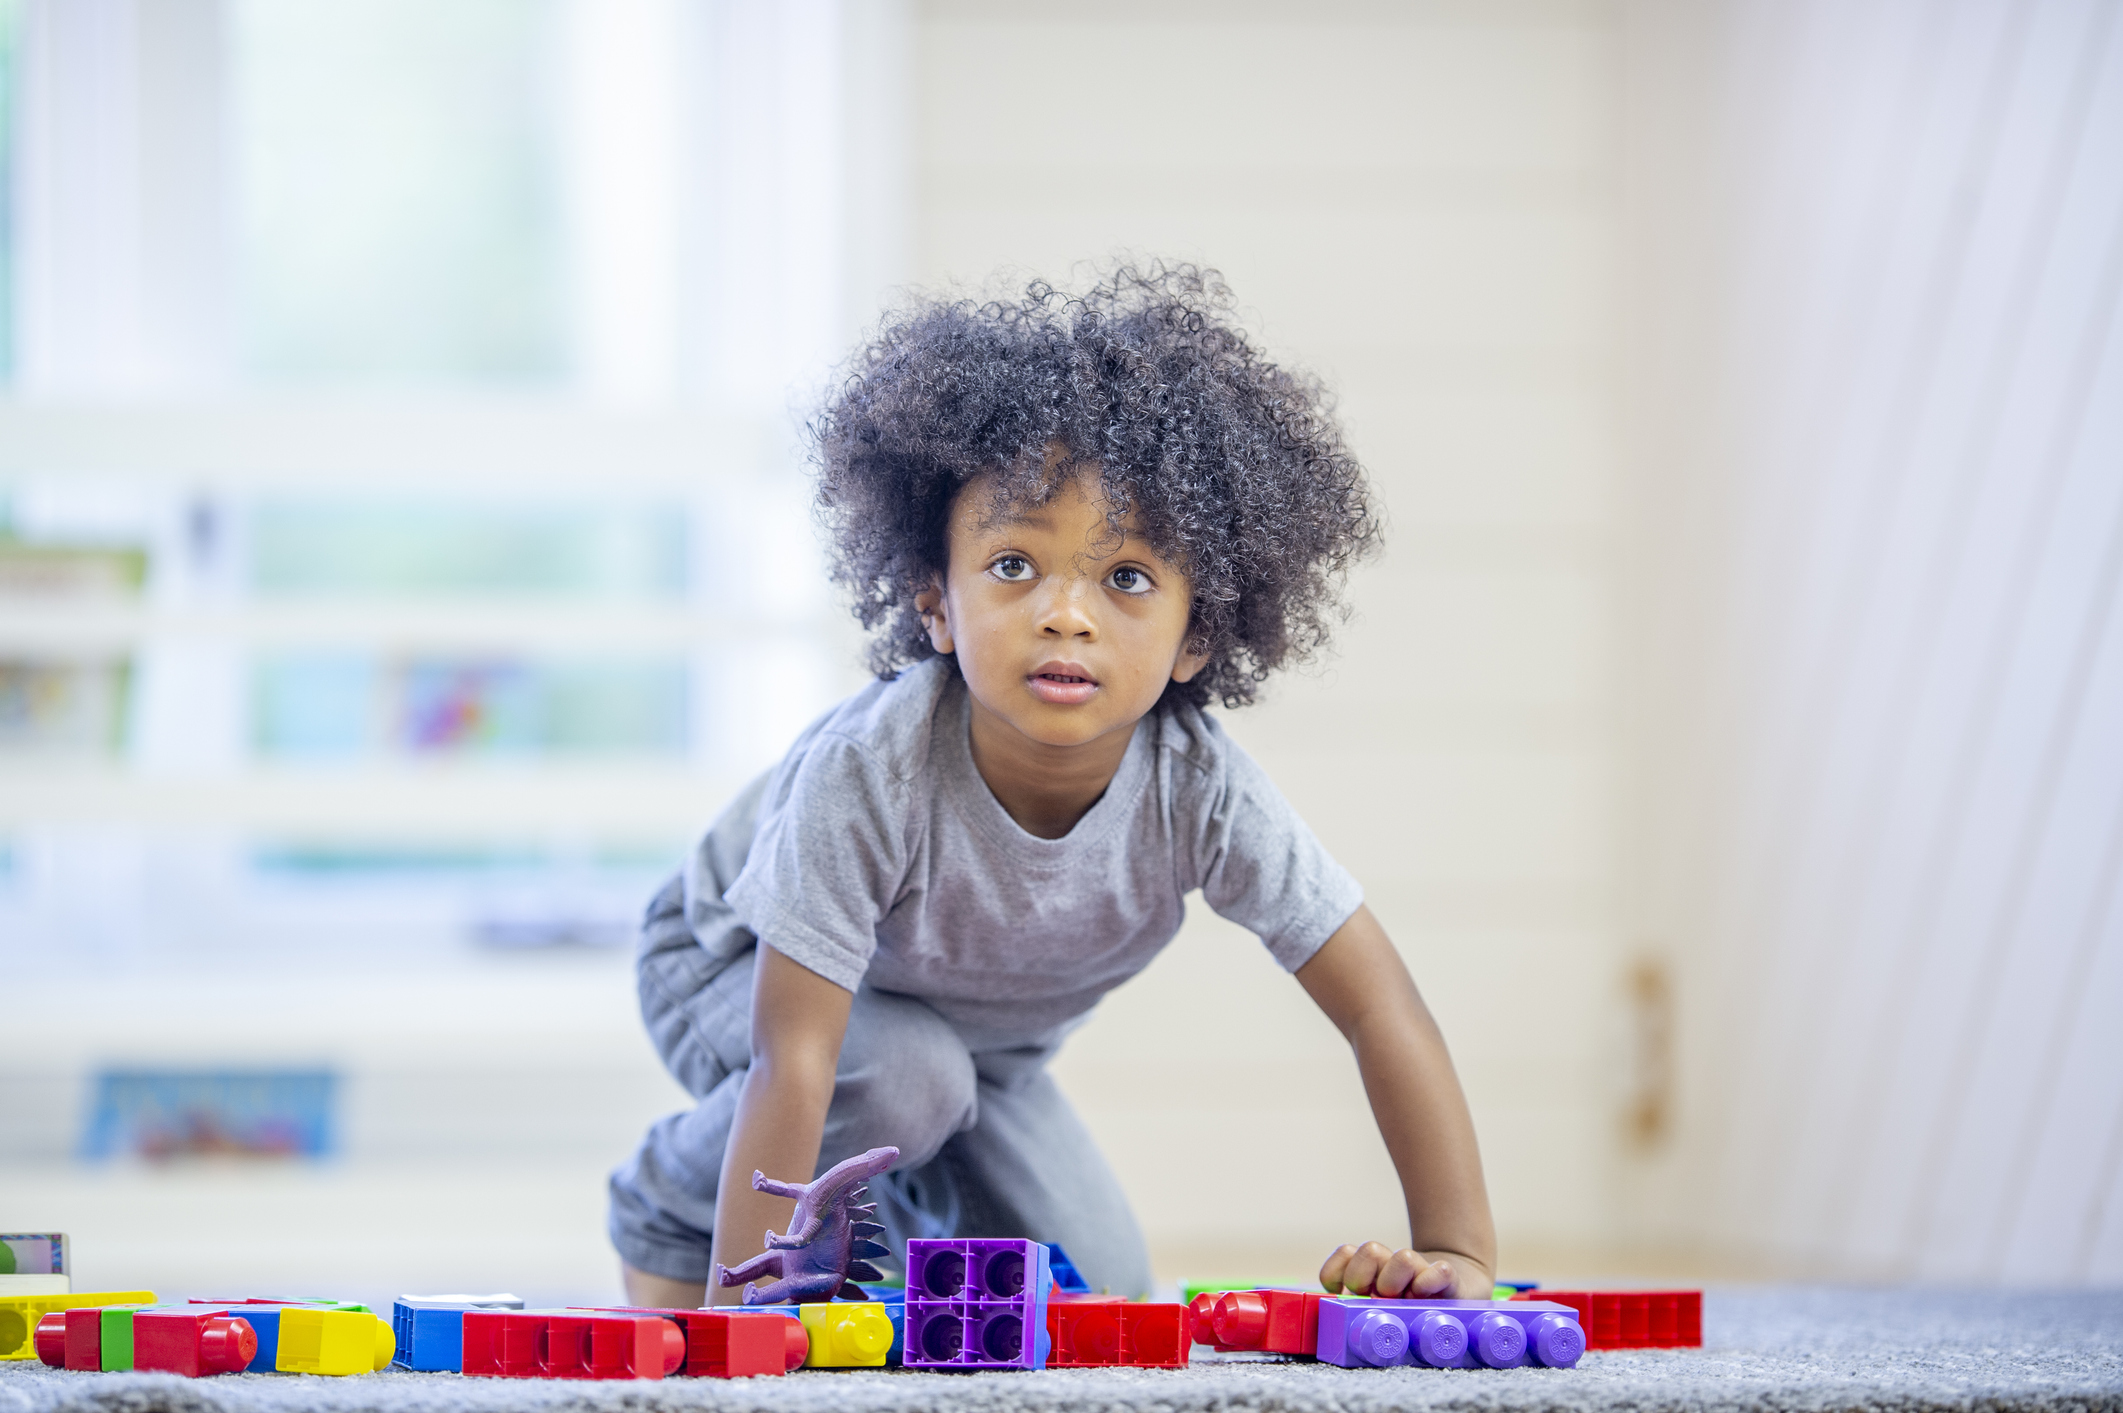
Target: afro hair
{"points": [[1233, 466]]}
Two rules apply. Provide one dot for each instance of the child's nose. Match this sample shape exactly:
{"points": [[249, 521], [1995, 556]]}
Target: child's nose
{"points": [[1065, 609]]}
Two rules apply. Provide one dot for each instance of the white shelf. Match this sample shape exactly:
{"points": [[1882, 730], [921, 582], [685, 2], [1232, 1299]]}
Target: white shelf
{"points": [[603, 799], [73, 631]]}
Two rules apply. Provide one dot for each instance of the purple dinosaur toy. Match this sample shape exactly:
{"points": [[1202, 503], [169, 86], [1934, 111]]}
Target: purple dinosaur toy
{"points": [[822, 1256]]}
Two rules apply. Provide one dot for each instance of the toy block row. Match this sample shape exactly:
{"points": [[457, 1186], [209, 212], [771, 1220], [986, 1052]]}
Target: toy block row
{"points": [[976, 1304], [1111, 1332], [198, 1340], [609, 1343], [1633, 1319], [1448, 1334]]}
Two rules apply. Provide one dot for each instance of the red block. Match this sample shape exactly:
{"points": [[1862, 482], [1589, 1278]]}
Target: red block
{"points": [[1154, 1336], [720, 1345], [1632, 1319], [502, 1344], [1277, 1321], [192, 1344], [597, 1345], [84, 1339], [1108, 1331], [49, 1338]]}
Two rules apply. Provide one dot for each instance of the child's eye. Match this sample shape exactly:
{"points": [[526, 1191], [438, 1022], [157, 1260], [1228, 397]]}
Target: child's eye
{"points": [[1012, 567], [1129, 580]]}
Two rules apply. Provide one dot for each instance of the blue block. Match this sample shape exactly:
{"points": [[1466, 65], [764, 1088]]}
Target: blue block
{"points": [[1065, 1273]]}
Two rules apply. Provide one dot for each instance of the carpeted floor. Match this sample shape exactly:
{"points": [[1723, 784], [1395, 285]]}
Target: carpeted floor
{"points": [[1815, 1350]]}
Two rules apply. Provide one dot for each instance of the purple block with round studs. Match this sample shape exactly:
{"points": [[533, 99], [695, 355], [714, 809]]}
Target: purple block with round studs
{"points": [[1449, 1334], [976, 1305]]}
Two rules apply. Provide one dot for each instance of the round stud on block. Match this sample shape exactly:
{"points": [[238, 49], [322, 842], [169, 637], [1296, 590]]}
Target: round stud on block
{"points": [[1240, 1319], [51, 1339], [387, 1345], [226, 1344], [1558, 1341], [674, 1345], [1499, 1341], [1201, 1318], [1004, 1275], [1003, 1337], [866, 1337], [943, 1338], [943, 1274], [1440, 1339], [1378, 1337], [796, 1344]]}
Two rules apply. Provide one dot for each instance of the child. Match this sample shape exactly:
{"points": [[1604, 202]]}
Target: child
{"points": [[1071, 523]]}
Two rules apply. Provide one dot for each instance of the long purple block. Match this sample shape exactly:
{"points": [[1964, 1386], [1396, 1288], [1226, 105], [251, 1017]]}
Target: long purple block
{"points": [[1449, 1334], [976, 1305]]}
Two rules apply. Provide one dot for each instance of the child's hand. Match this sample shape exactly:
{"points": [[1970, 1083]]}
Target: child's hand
{"points": [[1373, 1269]]}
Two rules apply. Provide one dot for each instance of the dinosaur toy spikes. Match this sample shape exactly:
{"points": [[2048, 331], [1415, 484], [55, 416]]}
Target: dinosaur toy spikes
{"points": [[822, 1255]]}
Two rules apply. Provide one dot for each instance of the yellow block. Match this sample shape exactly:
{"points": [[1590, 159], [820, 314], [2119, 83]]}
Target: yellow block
{"points": [[333, 1342], [846, 1334], [19, 1315]]}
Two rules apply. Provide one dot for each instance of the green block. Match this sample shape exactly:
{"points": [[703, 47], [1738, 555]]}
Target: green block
{"points": [[1188, 1291], [117, 1336]]}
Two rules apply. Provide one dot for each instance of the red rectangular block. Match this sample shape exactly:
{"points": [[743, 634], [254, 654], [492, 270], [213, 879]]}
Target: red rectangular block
{"points": [[1633, 1319], [597, 1345], [720, 1345], [84, 1339], [1106, 1331], [1154, 1336], [192, 1343], [502, 1344]]}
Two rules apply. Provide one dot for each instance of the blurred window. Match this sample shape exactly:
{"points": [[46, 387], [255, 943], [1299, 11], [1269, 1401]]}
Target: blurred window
{"points": [[10, 30], [400, 190]]}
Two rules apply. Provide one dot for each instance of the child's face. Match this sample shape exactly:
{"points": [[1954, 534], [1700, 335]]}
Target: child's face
{"points": [[1063, 629]]}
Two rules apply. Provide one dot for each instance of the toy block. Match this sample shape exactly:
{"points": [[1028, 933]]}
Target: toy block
{"points": [[1448, 1334], [316, 1341], [194, 1343], [976, 1304], [1274, 1321], [117, 1335], [428, 1330], [50, 1339], [1634, 1319], [20, 1314], [724, 1345], [502, 1344], [1110, 1332], [33, 1253], [846, 1334], [84, 1338], [1067, 1278], [1084, 1334], [603, 1345]]}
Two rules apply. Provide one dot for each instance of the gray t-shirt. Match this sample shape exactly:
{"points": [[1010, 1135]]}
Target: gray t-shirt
{"points": [[875, 854]]}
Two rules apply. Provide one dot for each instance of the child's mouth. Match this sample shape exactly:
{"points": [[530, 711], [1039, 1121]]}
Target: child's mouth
{"points": [[1062, 688]]}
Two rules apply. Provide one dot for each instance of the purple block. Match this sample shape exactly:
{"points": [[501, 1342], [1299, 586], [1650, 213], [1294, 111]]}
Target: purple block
{"points": [[976, 1305], [1449, 1334]]}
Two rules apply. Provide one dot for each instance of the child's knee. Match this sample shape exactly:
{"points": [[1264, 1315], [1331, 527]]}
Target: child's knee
{"points": [[905, 1080]]}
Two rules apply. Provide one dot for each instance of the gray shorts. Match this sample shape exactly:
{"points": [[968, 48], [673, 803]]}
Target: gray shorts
{"points": [[988, 1145]]}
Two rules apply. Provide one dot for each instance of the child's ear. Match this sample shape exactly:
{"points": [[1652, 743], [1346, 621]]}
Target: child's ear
{"points": [[929, 603], [1193, 657]]}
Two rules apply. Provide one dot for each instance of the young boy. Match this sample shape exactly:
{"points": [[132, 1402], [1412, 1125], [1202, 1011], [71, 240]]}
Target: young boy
{"points": [[1071, 523]]}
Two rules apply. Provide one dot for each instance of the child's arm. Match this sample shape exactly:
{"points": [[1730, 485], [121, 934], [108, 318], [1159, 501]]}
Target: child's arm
{"points": [[798, 1021], [1358, 979]]}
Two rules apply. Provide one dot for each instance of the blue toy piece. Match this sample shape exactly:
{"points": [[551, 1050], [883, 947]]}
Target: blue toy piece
{"points": [[1066, 1277], [821, 1257], [430, 1329]]}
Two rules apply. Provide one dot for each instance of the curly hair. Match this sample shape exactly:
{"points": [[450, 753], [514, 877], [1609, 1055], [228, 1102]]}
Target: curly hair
{"points": [[1233, 466]]}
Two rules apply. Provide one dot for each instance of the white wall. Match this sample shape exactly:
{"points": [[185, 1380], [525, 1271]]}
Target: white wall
{"points": [[1418, 201], [1877, 658]]}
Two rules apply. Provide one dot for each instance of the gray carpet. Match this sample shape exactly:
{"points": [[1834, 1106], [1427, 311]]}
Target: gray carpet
{"points": [[1815, 1350]]}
